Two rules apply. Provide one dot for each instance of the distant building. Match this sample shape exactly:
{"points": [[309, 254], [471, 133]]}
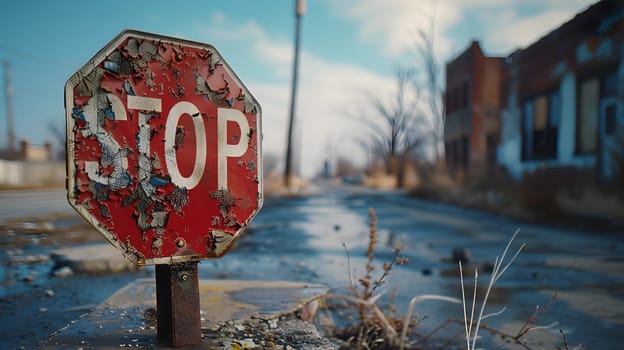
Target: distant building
{"points": [[36, 153], [564, 96], [31, 166], [28, 152], [561, 100], [472, 100]]}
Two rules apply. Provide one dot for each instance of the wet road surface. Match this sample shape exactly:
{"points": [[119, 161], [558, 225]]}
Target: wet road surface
{"points": [[301, 239], [33, 203]]}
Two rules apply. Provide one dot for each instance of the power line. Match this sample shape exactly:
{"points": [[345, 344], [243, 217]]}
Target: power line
{"points": [[24, 55]]}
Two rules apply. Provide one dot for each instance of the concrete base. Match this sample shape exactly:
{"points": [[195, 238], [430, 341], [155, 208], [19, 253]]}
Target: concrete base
{"points": [[234, 314]]}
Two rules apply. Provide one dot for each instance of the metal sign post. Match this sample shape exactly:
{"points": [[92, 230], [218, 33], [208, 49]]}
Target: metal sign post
{"points": [[177, 300], [164, 160]]}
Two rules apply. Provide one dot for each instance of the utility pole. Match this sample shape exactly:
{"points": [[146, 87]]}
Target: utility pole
{"points": [[300, 10], [8, 90]]}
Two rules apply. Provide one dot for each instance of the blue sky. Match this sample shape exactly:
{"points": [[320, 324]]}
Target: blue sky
{"points": [[348, 47]]}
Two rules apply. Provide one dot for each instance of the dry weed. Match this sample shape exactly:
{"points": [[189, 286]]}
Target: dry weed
{"points": [[378, 329]]}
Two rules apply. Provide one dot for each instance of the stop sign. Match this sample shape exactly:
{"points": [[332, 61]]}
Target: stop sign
{"points": [[163, 148]]}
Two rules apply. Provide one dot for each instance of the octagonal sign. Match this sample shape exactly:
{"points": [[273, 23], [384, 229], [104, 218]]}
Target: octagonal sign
{"points": [[163, 148]]}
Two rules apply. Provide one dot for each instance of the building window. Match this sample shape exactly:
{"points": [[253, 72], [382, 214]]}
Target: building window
{"points": [[455, 155], [450, 101], [452, 155], [527, 130], [465, 94], [610, 120], [587, 116], [458, 97], [465, 152], [491, 143], [610, 85], [540, 120]]}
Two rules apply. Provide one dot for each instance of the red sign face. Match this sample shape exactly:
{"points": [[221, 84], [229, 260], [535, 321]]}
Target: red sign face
{"points": [[163, 149]]}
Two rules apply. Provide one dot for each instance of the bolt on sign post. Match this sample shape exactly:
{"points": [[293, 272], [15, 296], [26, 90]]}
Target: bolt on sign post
{"points": [[164, 160]]}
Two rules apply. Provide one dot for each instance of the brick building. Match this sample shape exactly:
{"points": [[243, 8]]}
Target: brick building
{"points": [[564, 96], [472, 101], [560, 100]]}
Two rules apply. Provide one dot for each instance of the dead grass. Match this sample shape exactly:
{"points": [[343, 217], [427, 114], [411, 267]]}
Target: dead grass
{"points": [[377, 327], [381, 181], [591, 202], [537, 198], [273, 186], [472, 324]]}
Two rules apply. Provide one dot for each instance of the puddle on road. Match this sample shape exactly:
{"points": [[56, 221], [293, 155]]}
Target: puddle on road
{"points": [[330, 226], [597, 303], [47, 230]]}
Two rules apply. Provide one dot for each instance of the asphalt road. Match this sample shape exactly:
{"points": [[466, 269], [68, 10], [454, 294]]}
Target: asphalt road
{"points": [[33, 203], [304, 239]]}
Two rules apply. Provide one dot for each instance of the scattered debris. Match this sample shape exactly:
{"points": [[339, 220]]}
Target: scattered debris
{"points": [[461, 255], [63, 272]]}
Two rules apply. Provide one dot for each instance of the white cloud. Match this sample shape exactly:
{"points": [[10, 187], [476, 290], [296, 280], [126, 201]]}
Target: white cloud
{"points": [[328, 89], [516, 31], [221, 27], [394, 23], [325, 92]]}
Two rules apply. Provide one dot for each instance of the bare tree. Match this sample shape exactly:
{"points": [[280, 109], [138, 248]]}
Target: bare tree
{"points": [[59, 135], [410, 125], [431, 84], [395, 125]]}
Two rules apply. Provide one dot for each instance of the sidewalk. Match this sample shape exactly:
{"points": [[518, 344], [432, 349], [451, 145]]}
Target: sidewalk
{"points": [[234, 314]]}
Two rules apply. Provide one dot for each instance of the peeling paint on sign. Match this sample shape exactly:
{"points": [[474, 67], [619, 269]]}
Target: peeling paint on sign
{"points": [[163, 148], [219, 242]]}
